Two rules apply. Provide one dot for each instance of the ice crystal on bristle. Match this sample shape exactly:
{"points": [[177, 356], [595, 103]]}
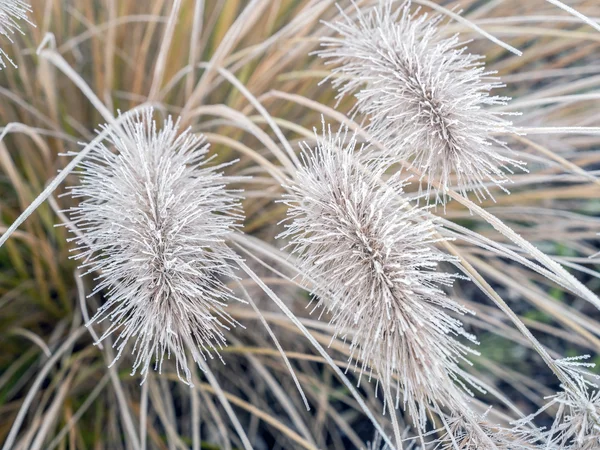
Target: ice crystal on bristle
{"points": [[426, 99], [153, 219], [11, 12], [371, 259]]}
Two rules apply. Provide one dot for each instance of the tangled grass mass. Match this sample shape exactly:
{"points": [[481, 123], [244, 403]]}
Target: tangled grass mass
{"points": [[317, 224]]}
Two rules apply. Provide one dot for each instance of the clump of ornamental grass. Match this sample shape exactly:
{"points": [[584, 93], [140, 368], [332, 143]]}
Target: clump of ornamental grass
{"points": [[426, 99], [372, 261], [152, 220], [243, 74], [11, 13]]}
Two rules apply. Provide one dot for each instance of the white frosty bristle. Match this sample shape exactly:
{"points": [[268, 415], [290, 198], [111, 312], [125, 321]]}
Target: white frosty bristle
{"points": [[153, 219], [11, 12], [373, 260], [426, 99]]}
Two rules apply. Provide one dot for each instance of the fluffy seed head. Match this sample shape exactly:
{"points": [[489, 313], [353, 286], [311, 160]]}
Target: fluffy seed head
{"points": [[11, 12], [426, 99], [476, 434], [372, 262], [577, 422], [153, 219]]}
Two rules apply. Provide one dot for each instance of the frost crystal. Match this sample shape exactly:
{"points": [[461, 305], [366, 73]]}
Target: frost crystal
{"points": [[426, 99], [373, 262], [153, 220], [11, 11]]}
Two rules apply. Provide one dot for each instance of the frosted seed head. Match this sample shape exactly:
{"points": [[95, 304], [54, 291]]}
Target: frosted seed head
{"points": [[427, 100], [474, 432], [371, 260], [11, 13], [577, 422], [154, 219]]}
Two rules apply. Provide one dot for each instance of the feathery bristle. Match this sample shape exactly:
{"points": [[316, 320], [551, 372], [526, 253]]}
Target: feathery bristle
{"points": [[425, 98]]}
